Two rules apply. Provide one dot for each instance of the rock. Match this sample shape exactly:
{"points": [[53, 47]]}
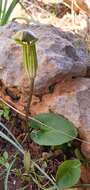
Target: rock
{"points": [[72, 100], [85, 175], [57, 57], [75, 106]]}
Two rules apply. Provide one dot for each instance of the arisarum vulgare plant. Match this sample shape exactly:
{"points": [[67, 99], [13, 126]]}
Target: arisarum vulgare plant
{"points": [[27, 40]]}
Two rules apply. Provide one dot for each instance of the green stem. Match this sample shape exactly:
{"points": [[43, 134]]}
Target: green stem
{"points": [[27, 110], [30, 98]]}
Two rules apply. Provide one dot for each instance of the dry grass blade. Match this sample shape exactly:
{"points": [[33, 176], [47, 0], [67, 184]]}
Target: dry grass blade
{"points": [[5, 137], [12, 136], [7, 175]]}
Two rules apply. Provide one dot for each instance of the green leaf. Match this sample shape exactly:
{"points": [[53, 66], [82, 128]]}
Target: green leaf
{"points": [[68, 174], [52, 129], [5, 155], [4, 7], [6, 165], [1, 112], [79, 155], [27, 161], [6, 112], [2, 161], [6, 15], [0, 8]]}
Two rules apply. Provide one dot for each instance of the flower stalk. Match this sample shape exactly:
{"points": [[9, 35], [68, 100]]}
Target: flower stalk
{"points": [[28, 43]]}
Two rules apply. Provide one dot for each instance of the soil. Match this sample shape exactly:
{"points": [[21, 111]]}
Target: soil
{"points": [[49, 158]]}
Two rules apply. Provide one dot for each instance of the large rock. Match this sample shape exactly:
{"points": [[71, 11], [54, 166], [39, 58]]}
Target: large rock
{"points": [[57, 57], [75, 105], [72, 100]]}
